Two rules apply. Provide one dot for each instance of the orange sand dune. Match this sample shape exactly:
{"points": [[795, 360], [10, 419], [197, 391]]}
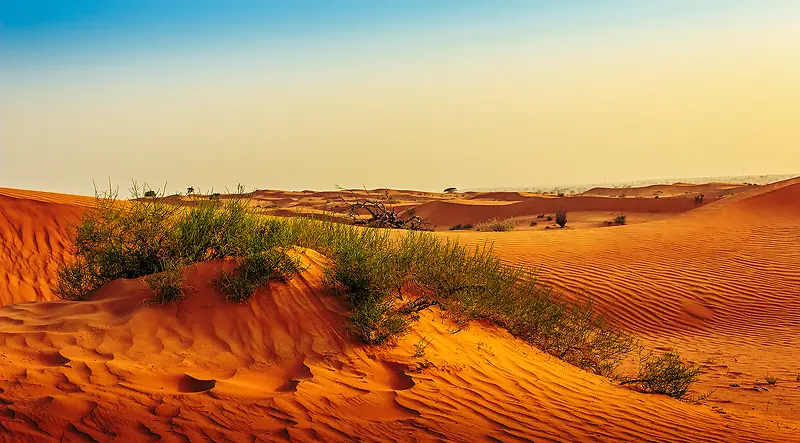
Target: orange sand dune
{"points": [[279, 368], [33, 242], [675, 189], [719, 283], [448, 213]]}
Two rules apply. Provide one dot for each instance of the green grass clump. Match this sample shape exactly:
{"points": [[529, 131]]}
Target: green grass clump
{"points": [[665, 374], [496, 225], [146, 236], [460, 227], [561, 217], [167, 286], [387, 277], [254, 271]]}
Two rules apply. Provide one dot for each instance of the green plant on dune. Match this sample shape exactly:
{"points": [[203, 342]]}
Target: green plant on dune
{"points": [[167, 285], [561, 217], [386, 277], [255, 270], [496, 225], [665, 374], [460, 227]]}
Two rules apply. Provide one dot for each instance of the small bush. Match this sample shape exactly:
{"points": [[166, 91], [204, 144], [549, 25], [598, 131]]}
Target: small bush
{"points": [[560, 194], [254, 271], [540, 216], [665, 374], [620, 220], [549, 218], [150, 193], [771, 380], [561, 217], [386, 277], [167, 286], [496, 225], [657, 196], [461, 227], [214, 196], [534, 223], [421, 346]]}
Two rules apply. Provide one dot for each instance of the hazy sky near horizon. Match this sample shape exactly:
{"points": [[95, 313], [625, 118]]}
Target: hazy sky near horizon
{"points": [[403, 94]]}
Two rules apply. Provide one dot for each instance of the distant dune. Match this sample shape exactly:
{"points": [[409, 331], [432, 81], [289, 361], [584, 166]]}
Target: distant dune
{"points": [[717, 281]]}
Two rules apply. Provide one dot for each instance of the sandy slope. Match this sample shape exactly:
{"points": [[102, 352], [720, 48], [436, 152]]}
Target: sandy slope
{"points": [[675, 189], [280, 368], [717, 282], [33, 240]]}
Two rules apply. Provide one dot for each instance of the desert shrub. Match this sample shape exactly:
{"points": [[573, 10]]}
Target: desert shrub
{"points": [[149, 193], [214, 196], [420, 347], [117, 240], [534, 223], [560, 194], [665, 374], [460, 227], [549, 218], [771, 380], [496, 225], [561, 217], [254, 271], [142, 237], [167, 286], [386, 277], [620, 220], [657, 196]]}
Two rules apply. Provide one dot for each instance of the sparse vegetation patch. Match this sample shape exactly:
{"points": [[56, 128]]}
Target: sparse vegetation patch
{"points": [[386, 279], [460, 227], [665, 374], [561, 217], [496, 225]]}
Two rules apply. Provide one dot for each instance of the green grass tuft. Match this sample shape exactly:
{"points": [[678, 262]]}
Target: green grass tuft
{"points": [[496, 225], [387, 277]]}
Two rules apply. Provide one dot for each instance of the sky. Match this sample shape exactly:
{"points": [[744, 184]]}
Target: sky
{"points": [[408, 94]]}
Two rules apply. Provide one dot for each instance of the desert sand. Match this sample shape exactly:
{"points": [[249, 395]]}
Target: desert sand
{"points": [[717, 281]]}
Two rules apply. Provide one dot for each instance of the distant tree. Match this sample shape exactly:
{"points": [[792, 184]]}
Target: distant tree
{"points": [[561, 217], [189, 190], [450, 190], [150, 193], [214, 196]]}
